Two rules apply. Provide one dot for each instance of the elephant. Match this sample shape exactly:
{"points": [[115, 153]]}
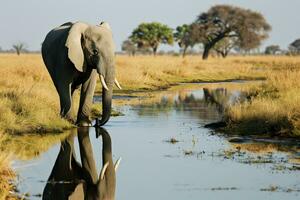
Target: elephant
{"points": [[70, 180], [74, 55]]}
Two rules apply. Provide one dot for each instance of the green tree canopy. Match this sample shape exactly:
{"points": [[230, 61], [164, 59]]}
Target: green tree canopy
{"points": [[224, 21], [151, 35], [272, 49], [183, 36]]}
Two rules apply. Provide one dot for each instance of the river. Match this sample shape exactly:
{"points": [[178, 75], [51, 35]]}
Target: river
{"points": [[168, 154]]}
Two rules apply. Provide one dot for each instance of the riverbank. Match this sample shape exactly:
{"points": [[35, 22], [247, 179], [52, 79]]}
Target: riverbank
{"points": [[7, 175], [29, 101], [273, 107]]}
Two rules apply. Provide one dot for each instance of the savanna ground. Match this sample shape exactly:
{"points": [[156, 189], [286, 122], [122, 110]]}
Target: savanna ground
{"points": [[29, 101]]}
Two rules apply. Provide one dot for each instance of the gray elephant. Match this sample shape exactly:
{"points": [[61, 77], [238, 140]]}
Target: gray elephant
{"points": [[70, 180], [75, 54]]}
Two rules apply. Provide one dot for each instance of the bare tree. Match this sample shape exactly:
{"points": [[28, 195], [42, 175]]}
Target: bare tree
{"points": [[19, 47]]}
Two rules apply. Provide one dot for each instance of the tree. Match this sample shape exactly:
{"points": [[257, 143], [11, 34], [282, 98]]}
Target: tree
{"points": [[151, 35], [129, 47], [224, 21], [19, 47], [272, 49], [224, 46], [294, 47], [183, 37]]}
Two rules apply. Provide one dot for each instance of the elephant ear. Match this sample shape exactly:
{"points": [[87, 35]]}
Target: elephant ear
{"points": [[73, 43]]}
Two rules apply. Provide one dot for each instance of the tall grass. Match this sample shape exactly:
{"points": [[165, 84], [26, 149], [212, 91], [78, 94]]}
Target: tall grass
{"points": [[29, 101], [148, 72], [6, 175], [274, 107]]}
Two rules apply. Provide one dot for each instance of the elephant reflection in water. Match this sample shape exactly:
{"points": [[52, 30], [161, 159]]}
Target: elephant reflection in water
{"points": [[70, 180]]}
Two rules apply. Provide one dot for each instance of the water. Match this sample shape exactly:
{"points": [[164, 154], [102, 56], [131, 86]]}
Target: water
{"points": [[201, 165]]}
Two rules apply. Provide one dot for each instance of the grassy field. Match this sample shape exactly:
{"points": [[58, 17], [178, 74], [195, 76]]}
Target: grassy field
{"points": [[6, 174], [274, 106], [29, 101]]}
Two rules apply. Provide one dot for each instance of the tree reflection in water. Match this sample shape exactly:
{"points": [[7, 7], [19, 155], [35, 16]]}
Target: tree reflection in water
{"points": [[205, 104]]}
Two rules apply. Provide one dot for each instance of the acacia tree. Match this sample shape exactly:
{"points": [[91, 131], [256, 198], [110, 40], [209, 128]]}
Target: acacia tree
{"points": [[182, 36], [129, 47], [224, 21], [294, 47], [19, 47], [151, 35], [272, 49]]}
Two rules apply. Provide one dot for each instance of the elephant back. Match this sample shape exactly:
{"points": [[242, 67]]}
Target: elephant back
{"points": [[54, 42]]}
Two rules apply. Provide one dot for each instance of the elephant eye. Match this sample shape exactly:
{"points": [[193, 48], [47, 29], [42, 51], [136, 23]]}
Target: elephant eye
{"points": [[95, 52]]}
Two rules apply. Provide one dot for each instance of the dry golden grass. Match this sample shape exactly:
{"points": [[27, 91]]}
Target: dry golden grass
{"points": [[148, 72], [275, 105], [6, 175], [29, 101]]}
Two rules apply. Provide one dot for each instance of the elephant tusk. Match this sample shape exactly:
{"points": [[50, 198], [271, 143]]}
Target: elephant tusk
{"points": [[117, 163], [103, 82], [118, 84], [102, 173]]}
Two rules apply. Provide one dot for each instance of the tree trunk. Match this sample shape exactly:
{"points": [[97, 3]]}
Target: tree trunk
{"points": [[224, 54], [205, 54], [211, 44], [154, 51], [184, 51]]}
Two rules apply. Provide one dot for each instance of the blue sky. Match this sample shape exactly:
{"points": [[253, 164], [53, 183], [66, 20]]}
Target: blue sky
{"points": [[29, 20]]}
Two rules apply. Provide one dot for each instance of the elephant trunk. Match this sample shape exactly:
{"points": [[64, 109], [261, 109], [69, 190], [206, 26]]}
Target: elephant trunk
{"points": [[106, 105], [107, 78]]}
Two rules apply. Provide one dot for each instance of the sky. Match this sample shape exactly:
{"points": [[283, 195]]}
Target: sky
{"points": [[29, 21]]}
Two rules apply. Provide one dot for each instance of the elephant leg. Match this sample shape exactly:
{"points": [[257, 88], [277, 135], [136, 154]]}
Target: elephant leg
{"points": [[75, 85], [86, 99], [66, 102]]}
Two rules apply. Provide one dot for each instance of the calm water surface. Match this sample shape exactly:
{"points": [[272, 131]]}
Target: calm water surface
{"points": [[201, 165]]}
